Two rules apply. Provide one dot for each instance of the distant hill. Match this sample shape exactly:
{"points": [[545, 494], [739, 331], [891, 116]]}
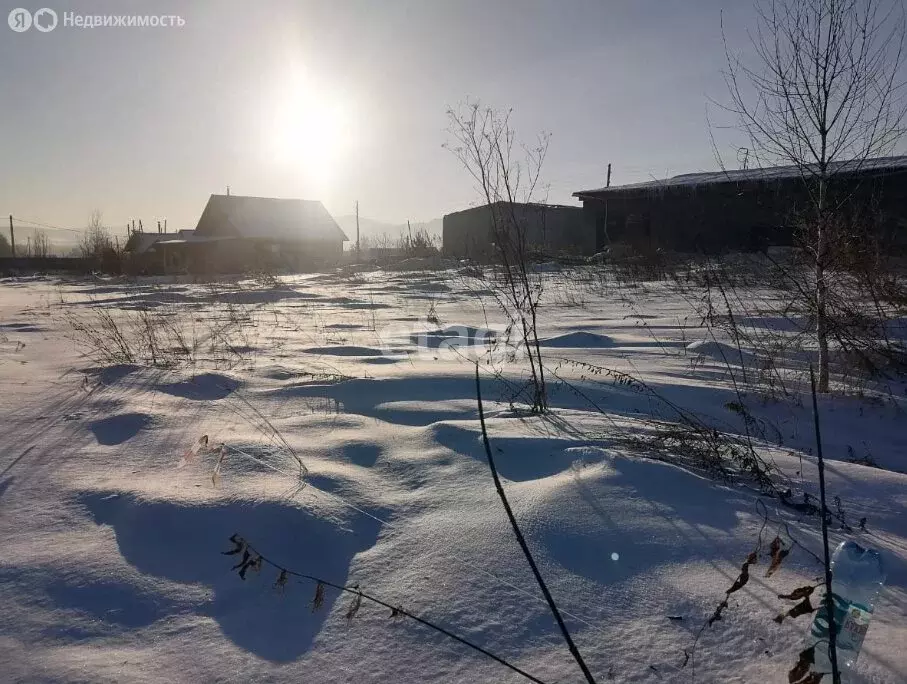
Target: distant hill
{"points": [[372, 229]]}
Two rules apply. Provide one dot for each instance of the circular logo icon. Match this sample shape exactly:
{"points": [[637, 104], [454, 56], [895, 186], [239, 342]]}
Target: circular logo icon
{"points": [[19, 20], [45, 20]]}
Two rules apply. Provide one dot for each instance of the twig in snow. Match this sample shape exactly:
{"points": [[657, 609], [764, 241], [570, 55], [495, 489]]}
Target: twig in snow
{"points": [[252, 556], [522, 540]]}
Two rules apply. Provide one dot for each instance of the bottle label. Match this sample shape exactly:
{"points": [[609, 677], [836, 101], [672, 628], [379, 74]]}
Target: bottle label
{"points": [[853, 630], [851, 622]]}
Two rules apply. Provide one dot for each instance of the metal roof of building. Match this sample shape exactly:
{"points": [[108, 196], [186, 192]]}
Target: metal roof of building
{"points": [[268, 218], [867, 166]]}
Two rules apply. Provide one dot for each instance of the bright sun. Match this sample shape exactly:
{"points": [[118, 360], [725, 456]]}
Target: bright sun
{"points": [[309, 131]]}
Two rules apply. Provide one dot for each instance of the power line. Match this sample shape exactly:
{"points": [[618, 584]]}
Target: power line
{"points": [[47, 225]]}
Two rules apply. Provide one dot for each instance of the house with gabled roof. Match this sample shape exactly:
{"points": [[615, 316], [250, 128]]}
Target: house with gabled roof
{"points": [[237, 233]]}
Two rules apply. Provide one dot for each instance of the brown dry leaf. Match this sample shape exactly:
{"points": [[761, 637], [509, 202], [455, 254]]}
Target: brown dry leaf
{"points": [[247, 562], [238, 545], [200, 445], [805, 660], [801, 608], [779, 553], [798, 593], [318, 600], [245, 558], [716, 616], [354, 607], [775, 546], [282, 580], [741, 581]]}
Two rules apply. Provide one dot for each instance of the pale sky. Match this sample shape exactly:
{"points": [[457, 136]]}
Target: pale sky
{"points": [[343, 100]]}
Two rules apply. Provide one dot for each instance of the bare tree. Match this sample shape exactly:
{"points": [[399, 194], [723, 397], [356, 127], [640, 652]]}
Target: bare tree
{"points": [[484, 142], [96, 239], [40, 245], [822, 95]]}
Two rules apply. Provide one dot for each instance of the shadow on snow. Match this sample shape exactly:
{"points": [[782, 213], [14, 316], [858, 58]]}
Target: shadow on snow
{"points": [[184, 544]]}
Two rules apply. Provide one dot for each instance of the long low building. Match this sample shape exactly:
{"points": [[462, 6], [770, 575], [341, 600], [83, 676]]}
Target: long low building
{"points": [[549, 229], [742, 210]]}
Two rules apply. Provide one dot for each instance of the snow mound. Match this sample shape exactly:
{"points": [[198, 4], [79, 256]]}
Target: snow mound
{"points": [[201, 387], [118, 429], [578, 340]]}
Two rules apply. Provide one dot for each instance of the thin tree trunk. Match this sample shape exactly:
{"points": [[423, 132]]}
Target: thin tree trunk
{"points": [[822, 289], [822, 319], [541, 390]]}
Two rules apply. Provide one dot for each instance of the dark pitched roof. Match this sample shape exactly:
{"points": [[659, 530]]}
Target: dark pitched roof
{"points": [[139, 242], [877, 166], [534, 205], [269, 218]]}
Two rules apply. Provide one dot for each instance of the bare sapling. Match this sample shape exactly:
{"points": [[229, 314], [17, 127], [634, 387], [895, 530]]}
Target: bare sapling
{"points": [[484, 141], [822, 95]]}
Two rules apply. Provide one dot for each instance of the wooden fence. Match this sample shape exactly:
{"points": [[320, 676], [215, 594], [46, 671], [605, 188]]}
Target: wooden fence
{"points": [[29, 265]]}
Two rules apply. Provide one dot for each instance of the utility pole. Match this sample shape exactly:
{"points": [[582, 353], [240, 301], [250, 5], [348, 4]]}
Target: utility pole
{"points": [[605, 237], [12, 235], [165, 225], [358, 253]]}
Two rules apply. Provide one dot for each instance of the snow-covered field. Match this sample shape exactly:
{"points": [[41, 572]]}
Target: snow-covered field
{"points": [[112, 570]]}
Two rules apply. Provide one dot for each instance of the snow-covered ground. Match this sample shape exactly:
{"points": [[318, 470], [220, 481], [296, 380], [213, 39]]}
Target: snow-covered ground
{"points": [[112, 569]]}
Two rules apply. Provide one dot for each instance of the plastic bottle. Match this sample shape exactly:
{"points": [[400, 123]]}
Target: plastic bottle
{"points": [[857, 578]]}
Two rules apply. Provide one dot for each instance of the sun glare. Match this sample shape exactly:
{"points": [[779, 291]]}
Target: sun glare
{"points": [[309, 131]]}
